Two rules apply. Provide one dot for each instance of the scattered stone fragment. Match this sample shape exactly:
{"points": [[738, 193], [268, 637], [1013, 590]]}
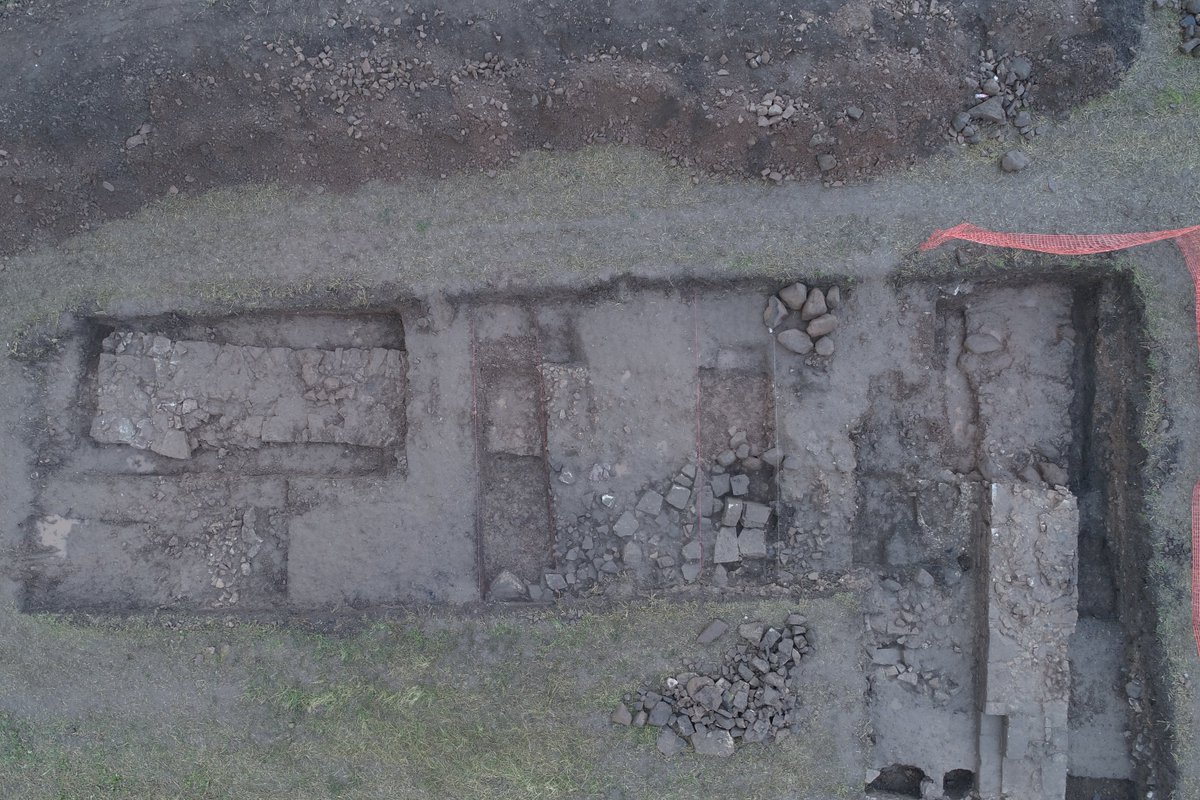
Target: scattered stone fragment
{"points": [[712, 631], [660, 714], [982, 343], [720, 485], [1014, 161], [556, 582], [739, 485], [814, 306], [795, 341], [822, 326], [774, 313], [854, 112], [669, 744], [726, 550], [678, 497], [1021, 67], [713, 743], [626, 525], [622, 716], [693, 550], [507, 587], [650, 503], [827, 162], [824, 346], [886, 656], [794, 296]]}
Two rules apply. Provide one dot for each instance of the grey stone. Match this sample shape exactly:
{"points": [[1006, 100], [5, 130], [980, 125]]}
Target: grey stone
{"points": [[772, 456], [854, 113], [924, 578], [693, 551], [826, 162], [720, 576], [622, 716], [795, 341], [726, 551], [814, 306], [678, 497], [833, 297], [718, 744], [669, 743], [733, 512], [1053, 474], [660, 715], [794, 296], [1021, 67], [990, 110], [742, 450], [626, 525], [1014, 161], [774, 313], [886, 656], [712, 631], [720, 485], [690, 571], [650, 503], [507, 587], [752, 463], [756, 515], [751, 631], [824, 346], [556, 581], [632, 555], [172, 444], [739, 484], [792, 462], [961, 120], [981, 343], [726, 458], [822, 326], [752, 543], [1023, 119]]}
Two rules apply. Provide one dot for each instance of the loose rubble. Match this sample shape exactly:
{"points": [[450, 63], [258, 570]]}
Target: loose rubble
{"points": [[750, 696], [1189, 26], [1001, 93]]}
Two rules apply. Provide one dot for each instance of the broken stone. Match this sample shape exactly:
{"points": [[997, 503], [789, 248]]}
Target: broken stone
{"points": [[772, 456], [886, 656], [739, 484], [794, 296], [1014, 161], [990, 110], [796, 341], [692, 551], [651, 503], [626, 525], [690, 571], [774, 313], [556, 582], [752, 543], [669, 744], [622, 716], [713, 743], [826, 162], [507, 587], [632, 555], [756, 515], [726, 551], [720, 485], [726, 458], [660, 715], [678, 497], [733, 512]]}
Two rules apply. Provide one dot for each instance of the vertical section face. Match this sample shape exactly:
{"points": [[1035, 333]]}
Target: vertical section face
{"points": [[1031, 597], [514, 525]]}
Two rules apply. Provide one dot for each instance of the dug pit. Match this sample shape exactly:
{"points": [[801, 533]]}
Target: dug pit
{"points": [[958, 456]]}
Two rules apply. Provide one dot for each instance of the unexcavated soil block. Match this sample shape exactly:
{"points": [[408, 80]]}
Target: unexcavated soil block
{"points": [[174, 396]]}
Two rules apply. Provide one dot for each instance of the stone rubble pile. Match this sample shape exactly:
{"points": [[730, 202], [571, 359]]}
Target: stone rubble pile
{"points": [[1189, 25], [772, 109], [1002, 92], [751, 696], [810, 311]]}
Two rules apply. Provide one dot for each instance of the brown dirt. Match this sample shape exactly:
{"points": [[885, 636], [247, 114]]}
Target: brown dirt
{"points": [[78, 80]]}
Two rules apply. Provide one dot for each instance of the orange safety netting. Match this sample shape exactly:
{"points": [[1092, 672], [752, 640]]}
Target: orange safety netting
{"points": [[1188, 242]]}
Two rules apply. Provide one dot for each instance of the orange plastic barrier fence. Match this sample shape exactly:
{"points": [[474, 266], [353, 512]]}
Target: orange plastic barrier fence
{"points": [[1188, 242]]}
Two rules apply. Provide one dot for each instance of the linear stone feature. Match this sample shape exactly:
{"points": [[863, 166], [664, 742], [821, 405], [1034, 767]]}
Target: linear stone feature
{"points": [[173, 397], [1032, 599]]}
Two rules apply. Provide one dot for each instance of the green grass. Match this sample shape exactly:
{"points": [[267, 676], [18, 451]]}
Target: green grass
{"points": [[432, 706]]}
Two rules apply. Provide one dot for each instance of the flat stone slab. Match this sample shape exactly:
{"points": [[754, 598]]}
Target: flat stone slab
{"points": [[173, 397]]}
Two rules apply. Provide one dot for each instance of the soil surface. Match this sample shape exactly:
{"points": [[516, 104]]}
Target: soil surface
{"points": [[105, 108]]}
